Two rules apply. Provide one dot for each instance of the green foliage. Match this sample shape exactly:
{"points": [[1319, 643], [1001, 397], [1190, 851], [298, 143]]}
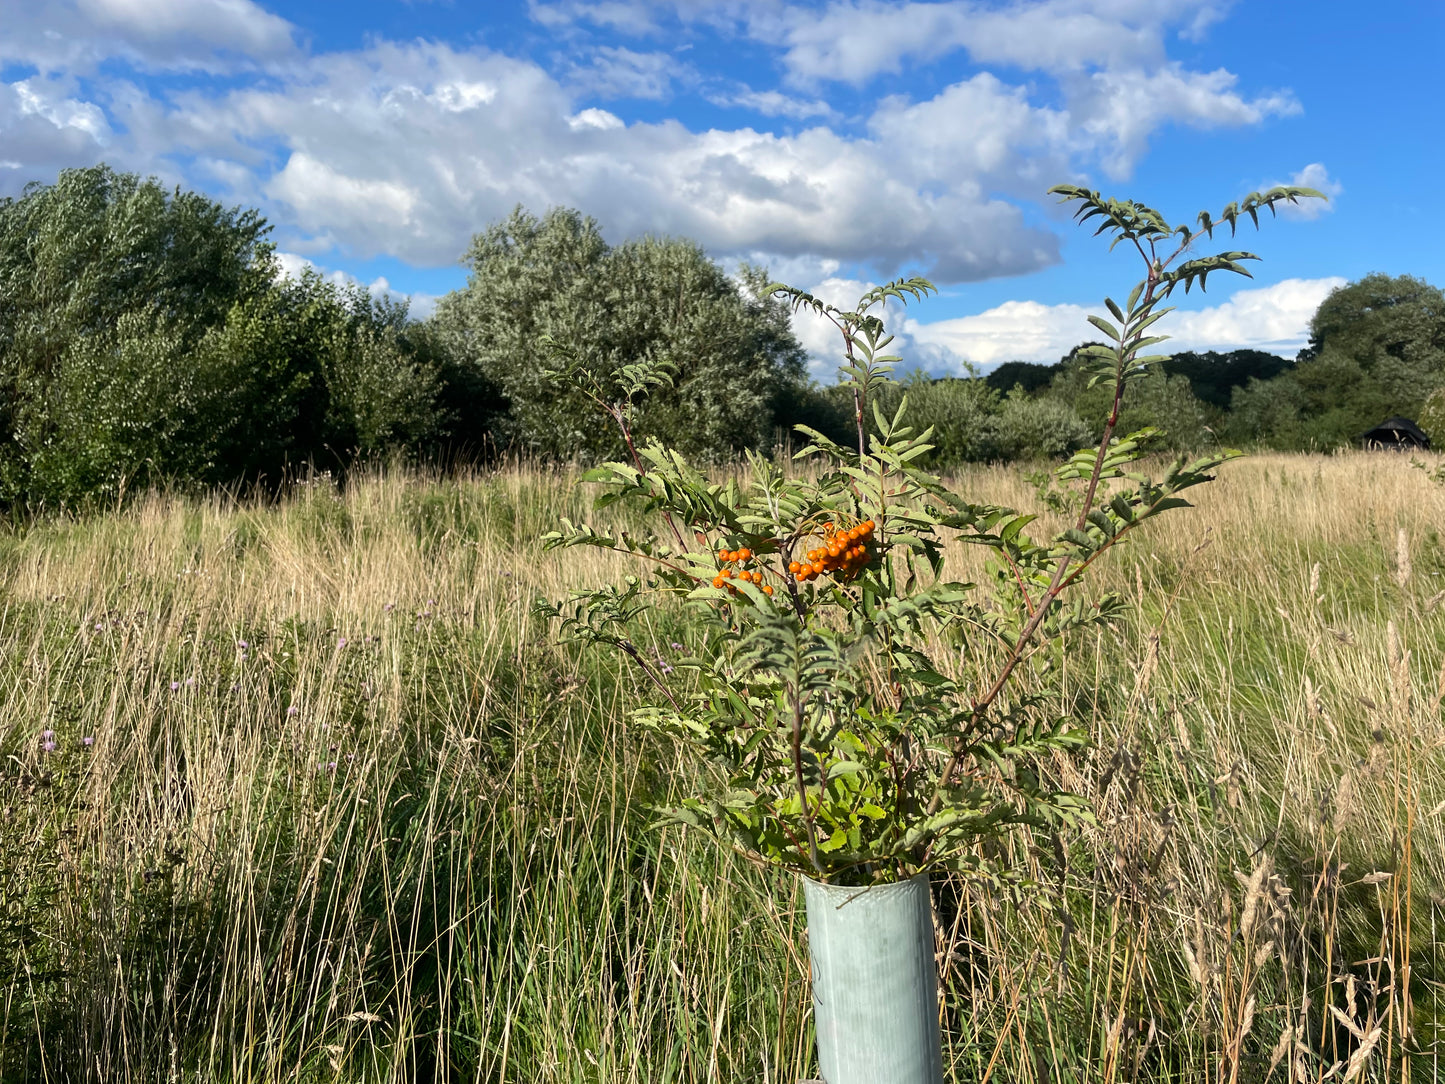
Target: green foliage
{"points": [[654, 302], [107, 283], [145, 338], [1159, 399], [311, 371], [960, 413], [1377, 349], [1046, 428], [1029, 376], [1432, 417], [1213, 376], [820, 680]]}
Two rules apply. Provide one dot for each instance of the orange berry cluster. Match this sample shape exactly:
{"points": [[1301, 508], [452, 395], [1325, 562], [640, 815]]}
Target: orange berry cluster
{"points": [[843, 553], [733, 562]]}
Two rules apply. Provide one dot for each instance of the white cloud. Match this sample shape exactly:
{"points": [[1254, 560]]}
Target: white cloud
{"points": [[1013, 331], [34, 98], [376, 158], [351, 206], [773, 103], [599, 119], [45, 126], [1120, 109], [409, 148], [854, 41], [980, 129], [462, 97], [1268, 318], [1273, 318], [236, 25], [75, 36], [1315, 176], [615, 72], [912, 343], [1109, 56]]}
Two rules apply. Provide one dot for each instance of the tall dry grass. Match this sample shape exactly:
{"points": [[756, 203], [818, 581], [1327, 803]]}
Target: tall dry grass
{"points": [[348, 814]]}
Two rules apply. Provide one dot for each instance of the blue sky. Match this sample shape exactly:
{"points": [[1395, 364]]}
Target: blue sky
{"points": [[841, 142]]}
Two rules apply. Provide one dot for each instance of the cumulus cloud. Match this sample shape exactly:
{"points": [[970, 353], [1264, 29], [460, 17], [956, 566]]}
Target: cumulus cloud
{"points": [[76, 36], [1109, 56], [1315, 176], [1273, 318], [854, 41], [45, 126], [615, 72], [774, 103], [1120, 109], [408, 149]]}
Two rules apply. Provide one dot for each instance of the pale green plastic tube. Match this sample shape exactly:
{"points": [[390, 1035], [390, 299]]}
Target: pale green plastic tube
{"points": [[875, 990]]}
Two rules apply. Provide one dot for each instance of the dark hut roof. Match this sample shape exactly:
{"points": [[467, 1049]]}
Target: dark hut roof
{"points": [[1396, 431]]}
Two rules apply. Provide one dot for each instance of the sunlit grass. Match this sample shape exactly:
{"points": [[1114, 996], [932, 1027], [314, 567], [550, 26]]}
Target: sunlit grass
{"points": [[350, 814]]}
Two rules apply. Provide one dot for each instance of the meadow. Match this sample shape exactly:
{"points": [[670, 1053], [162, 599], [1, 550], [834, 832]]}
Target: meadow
{"points": [[302, 791]]}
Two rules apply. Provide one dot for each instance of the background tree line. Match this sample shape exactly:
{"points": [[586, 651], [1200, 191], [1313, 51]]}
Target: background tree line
{"points": [[148, 336]]}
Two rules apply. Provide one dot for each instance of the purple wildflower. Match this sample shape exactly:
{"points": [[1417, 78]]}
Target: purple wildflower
{"points": [[175, 685], [293, 710], [47, 735], [89, 739], [341, 642], [48, 746]]}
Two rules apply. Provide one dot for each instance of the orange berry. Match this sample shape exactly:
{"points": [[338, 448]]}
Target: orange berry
{"points": [[745, 554], [794, 567], [767, 589], [817, 568], [722, 555], [717, 581]]}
